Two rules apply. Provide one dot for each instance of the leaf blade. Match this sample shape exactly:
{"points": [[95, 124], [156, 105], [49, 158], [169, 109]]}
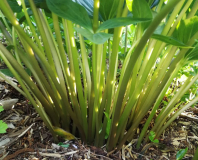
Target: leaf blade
{"points": [[122, 21], [71, 11]]}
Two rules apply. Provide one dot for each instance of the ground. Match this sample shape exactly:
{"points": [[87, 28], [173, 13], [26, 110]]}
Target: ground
{"points": [[27, 138]]}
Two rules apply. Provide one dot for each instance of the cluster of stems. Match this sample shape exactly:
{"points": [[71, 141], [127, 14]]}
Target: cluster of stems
{"points": [[81, 98]]}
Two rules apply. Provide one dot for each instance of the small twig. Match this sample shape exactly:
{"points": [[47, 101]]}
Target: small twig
{"points": [[47, 154], [69, 153], [25, 131], [183, 115], [129, 152]]}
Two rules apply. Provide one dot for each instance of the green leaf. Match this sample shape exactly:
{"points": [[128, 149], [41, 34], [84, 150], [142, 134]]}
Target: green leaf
{"points": [[159, 29], [7, 72], [97, 38], [129, 4], [169, 40], [108, 8], [141, 9], [118, 22], [108, 125], [71, 11], [196, 155], [3, 127], [14, 6], [156, 141], [23, 18], [88, 5], [192, 55], [10, 47], [181, 153], [152, 136], [186, 29], [1, 108]]}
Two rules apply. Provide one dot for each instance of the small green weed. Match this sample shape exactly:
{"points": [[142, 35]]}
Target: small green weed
{"points": [[3, 126], [152, 136]]}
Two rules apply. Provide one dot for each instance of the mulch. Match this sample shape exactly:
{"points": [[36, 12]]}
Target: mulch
{"points": [[27, 137]]}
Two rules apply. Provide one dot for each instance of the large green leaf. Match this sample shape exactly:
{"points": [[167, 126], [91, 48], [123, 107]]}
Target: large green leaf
{"points": [[141, 9], [169, 40], [108, 8], [186, 29], [122, 21], [71, 11], [14, 6], [97, 38]]}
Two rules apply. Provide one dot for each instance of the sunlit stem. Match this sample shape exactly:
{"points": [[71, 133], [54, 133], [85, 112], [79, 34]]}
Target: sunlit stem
{"points": [[96, 14], [193, 10]]}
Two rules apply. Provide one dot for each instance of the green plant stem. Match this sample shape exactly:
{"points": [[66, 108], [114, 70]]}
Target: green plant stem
{"points": [[175, 115], [180, 16], [43, 36], [126, 37], [193, 10], [158, 74], [5, 22], [77, 76], [45, 64], [122, 86], [31, 26], [188, 83], [28, 81], [15, 46], [38, 107], [152, 54], [6, 33], [95, 14]]}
